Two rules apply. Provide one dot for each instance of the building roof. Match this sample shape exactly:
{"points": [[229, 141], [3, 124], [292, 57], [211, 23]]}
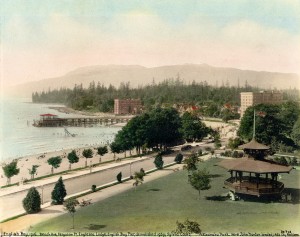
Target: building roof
{"points": [[48, 115], [254, 145], [254, 166]]}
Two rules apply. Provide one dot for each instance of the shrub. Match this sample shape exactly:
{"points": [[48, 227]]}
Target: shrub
{"points": [[142, 171], [187, 228], [178, 158], [235, 154], [158, 161], [93, 188], [119, 177], [32, 201], [59, 192]]}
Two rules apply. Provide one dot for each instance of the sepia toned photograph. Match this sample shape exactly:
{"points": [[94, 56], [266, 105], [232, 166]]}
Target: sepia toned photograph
{"points": [[150, 118]]}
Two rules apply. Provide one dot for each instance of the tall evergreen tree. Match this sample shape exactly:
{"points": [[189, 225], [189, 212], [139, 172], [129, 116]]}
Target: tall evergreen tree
{"points": [[59, 192], [32, 201]]}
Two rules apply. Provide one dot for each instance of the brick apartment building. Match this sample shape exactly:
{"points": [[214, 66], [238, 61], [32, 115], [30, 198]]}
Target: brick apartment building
{"points": [[253, 98], [127, 106]]}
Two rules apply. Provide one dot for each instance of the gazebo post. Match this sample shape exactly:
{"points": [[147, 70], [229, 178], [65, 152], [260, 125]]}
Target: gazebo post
{"points": [[250, 177], [235, 176], [257, 180]]}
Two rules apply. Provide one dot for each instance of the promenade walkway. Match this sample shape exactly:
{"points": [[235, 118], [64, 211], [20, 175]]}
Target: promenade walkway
{"points": [[76, 182]]}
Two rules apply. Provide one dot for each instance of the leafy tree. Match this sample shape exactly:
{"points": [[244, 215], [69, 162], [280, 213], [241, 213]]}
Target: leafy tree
{"points": [[59, 192], [101, 151], [164, 127], [268, 126], [87, 153], [119, 177], [200, 180], [70, 206], [296, 132], [54, 162], [33, 171], [115, 148], [289, 114], [139, 178], [178, 158], [227, 114], [187, 228], [192, 127], [73, 158], [234, 143], [142, 171], [158, 161], [32, 201], [10, 170], [191, 162]]}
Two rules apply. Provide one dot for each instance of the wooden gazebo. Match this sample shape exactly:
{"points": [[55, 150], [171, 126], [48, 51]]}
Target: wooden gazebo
{"points": [[253, 174]]}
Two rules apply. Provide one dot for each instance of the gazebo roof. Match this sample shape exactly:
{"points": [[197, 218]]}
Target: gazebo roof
{"points": [[254, 145], [47, 115], [254, 166]]}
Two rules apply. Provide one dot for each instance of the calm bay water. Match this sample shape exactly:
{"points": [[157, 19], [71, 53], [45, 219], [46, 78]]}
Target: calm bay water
{"points": [[19, 138]]}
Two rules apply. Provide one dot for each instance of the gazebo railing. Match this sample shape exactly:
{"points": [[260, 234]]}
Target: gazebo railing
{"points": [[250, 187]]}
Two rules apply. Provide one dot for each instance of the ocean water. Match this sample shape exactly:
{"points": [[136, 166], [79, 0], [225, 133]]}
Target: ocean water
{"points": [[19, 138]]}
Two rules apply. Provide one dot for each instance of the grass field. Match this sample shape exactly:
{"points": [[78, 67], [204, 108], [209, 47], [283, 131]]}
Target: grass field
{"points": [[157, 205]]}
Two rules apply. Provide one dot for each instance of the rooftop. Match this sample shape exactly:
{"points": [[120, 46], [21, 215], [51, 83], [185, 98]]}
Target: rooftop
{"points": [[254, 166]]}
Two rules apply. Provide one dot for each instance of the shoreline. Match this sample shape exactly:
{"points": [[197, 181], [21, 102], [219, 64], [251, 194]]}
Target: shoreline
{"points": [[25, 163], [68, 110]]}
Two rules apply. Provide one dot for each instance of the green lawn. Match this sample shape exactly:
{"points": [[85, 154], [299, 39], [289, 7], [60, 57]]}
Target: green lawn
{"points": [[157, 205]]}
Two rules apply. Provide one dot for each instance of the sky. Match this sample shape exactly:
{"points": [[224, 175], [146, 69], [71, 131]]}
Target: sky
{"points": [[43, 39]]}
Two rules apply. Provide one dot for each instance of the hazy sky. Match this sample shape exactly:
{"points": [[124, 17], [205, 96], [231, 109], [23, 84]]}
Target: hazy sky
{"points": [[42, 39]]}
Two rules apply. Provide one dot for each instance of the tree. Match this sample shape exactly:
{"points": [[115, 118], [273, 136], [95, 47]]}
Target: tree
{"points": [[54, 162], [191, 162], [296, 132], [101, 151], [10, 170], [192, 127], [115, 148], [139, 178], [234, 143], [267, 126], [178, 158], [32, 201], [59, 192], [158, 161], [187, 228], [70, 206], [119, 177], [200, 180], [33, 171], [87, 153], [73, 158], [164, 125]]}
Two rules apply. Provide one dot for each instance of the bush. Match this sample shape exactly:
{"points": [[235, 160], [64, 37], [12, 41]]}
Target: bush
{"points": [[158, 161], [32, 201], [235, 154], [178, 158], [142, 171], [59, 192], [119, 177], [93, 188]]}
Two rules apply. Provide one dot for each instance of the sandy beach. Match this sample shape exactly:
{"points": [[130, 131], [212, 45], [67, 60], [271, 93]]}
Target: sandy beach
{"points": [[26, 163]]}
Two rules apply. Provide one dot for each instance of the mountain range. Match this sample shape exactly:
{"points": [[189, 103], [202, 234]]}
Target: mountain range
{"points": [[139, 75]]}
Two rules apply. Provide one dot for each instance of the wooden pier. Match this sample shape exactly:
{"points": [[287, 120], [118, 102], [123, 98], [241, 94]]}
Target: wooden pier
{"points": [[51, 120]]}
